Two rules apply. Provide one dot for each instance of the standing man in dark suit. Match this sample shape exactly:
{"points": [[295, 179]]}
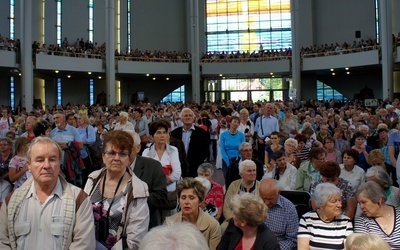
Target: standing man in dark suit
{"points": [[150, 171], [196, 141]]}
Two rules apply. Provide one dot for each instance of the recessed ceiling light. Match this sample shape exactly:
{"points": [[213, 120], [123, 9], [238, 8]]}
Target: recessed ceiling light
{"points": [[99, 77], [167, 78], [89, 73], [68, 76], [220, 74], [346, 68], [271, 73], [333, 74], [147, 74], [56, 71], [154, 78], [20, 74], [348, 72], [332, 69]]}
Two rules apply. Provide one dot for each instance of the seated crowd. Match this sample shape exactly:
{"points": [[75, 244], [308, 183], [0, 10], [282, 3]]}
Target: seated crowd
{"points": [[224, 175]]}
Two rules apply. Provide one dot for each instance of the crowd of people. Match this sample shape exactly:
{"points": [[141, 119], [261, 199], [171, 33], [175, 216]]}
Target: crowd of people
{"points": [[88, 49], [246, 56], [124, 176], [339, 49]]}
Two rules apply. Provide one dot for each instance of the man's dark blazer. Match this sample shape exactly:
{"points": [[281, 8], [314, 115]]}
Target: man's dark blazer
{"points": [[233, 172], [198, 148], [150, 171]]}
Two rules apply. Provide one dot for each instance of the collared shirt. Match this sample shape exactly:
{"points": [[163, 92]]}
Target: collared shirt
{"points": [[266, 125], [283, 222], [41, 223], [68, 134], [356, 177], [186, 134]]}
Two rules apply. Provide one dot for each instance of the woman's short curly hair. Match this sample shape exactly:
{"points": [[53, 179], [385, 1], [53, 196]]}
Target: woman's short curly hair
{"points": [[329, 169], [249, 208], [188, 183], [119, 139]]}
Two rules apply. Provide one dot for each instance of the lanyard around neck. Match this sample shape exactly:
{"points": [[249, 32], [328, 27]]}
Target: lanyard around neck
{"points": [[115, 192]]}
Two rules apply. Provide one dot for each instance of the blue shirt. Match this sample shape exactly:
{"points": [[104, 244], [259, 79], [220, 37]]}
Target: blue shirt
{"points": [[229, 145], [87, 134], [283, 221], [266, 125]]}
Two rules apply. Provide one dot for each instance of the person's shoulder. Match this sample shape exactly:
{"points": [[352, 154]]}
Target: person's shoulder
{"points": [[304, 166], [147, 161]]}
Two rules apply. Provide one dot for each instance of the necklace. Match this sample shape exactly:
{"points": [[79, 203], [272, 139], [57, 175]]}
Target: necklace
{"points": [[387, 217]]}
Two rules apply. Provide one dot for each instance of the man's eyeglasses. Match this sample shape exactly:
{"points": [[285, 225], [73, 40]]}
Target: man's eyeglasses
{"points": [[246, 150], [113, 154]]}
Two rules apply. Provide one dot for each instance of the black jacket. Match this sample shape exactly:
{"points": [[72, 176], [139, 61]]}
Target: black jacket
{"points": [[198, 148], [265, 239]]}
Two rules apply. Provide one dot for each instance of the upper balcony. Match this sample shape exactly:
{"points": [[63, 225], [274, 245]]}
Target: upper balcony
{"points": [[341, 59], [48, 60], [138, 65]]}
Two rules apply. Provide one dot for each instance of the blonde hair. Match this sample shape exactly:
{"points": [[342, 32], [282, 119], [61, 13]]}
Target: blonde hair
{"points": [[360, 241]]}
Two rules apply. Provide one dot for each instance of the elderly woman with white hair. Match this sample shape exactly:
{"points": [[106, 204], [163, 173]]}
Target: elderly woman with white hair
{"points": [[380, 176], [247, 184], [177, 236], [123, 123], [325, 228], [290, 147]]}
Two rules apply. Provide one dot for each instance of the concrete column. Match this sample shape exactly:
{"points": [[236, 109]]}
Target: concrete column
{"points": [[385, 36], [296, 66], [26, 55], [110, 48], [195, 50]]}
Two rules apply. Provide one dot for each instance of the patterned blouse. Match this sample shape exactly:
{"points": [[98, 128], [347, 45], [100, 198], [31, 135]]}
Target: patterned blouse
{"points": [[100, 206]]}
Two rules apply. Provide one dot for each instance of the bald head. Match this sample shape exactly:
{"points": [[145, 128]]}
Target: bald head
{"points": [[269, 192]]}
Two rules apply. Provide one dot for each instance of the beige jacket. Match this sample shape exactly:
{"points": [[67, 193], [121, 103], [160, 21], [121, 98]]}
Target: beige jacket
{"points": [[207, 225], [233, 189]]}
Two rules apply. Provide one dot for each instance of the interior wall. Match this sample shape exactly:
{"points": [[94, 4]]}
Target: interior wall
{"points": [[5, 93], [163, 88], [50, 29], [305, 24], [99, 13], [395, 16], [337, 21], [50, 92], [348, 85], [4, 21], [159, 25], [73, 27], [75, 91], [37, 21]]}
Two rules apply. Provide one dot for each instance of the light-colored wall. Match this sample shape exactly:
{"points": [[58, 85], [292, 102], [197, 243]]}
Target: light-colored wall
{"points": [[159, 25], [337, 21]]}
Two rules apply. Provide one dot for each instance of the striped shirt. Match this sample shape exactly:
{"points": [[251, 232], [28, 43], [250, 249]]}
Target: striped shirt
{"points": [[325, 235], [363, 224]]}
